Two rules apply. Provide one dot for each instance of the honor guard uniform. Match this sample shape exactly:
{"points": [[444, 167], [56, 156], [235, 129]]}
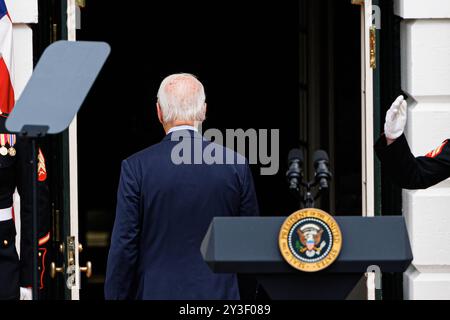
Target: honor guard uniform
{"points": [[409, 172], [405, 170], [16, 172]]}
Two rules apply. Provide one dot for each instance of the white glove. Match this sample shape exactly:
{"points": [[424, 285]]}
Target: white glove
{"points": [[26, 294], [396, 119]]}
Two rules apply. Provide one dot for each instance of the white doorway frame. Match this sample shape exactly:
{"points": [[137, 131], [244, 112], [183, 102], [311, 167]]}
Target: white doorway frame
{"points": [[73, 162], [367, 126], [367, 109]]}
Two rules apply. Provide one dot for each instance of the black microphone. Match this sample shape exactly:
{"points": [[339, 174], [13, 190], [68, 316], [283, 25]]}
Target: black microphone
{"points": [[294, 173], [323, 174]]}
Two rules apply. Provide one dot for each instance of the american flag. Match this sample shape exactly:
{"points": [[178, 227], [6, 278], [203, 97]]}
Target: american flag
{"points": [[7, 99]]}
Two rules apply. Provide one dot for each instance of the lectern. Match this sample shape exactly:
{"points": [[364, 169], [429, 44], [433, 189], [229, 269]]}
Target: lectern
{"points": [[249, 245]]}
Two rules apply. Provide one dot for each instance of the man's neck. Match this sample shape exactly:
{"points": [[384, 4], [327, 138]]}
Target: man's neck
{"points": [[174, 124]]}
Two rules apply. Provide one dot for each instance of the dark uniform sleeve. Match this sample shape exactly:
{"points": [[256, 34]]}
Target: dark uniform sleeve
{"points": [[24, 187], [409, 172]]}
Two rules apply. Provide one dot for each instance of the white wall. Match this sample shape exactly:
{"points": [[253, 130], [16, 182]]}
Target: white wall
{"points": [[22, 56], [425, 45], [422, 9], [22, 12]]}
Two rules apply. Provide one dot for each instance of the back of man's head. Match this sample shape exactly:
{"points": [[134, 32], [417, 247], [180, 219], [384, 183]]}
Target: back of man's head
{"points": [[181, 97]]}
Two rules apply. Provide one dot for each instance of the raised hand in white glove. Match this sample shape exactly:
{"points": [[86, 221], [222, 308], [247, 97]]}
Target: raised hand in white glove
{"points": [[396, 119], [26, 294]]}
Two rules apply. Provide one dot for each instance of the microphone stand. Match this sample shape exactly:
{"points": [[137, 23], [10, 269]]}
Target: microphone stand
{"points": [[309, 199], [306, 195], [304, 191]]}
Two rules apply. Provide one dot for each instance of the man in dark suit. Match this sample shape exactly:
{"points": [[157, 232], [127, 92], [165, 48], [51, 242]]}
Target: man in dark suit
{"points": [[164, 208]]}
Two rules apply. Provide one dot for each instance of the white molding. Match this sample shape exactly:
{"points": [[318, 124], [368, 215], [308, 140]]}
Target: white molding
{"points": [[428, 221], [23, 11], [22, 57], [425, 48], [73, 163], [368, 177], [422, 9], [420, 115], [426, 285]]}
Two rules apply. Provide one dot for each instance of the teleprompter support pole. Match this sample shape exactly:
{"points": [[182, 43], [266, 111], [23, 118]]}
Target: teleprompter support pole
{"points": [[34, 132]]}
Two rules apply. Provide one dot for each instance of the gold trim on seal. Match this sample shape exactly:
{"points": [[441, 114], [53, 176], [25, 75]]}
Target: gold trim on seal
{"points": [[299, 216]]}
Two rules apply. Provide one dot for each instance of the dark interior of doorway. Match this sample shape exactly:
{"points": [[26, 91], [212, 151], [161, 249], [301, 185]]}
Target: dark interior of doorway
{"points": [[247, 55]]}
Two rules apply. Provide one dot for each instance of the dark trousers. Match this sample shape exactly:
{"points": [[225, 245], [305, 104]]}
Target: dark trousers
{"points": [[9, 262]]}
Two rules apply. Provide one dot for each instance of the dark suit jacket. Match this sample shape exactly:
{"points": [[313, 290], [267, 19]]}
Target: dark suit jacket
{"points": [[163, 213]]}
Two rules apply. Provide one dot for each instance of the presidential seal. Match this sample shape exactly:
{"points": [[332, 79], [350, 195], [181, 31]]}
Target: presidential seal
{"points": [[310, 240]]}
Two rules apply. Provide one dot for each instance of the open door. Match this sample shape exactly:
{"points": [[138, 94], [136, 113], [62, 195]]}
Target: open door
{"points": [[368, 64], [71, 245], [370, 106], [57, 21]]}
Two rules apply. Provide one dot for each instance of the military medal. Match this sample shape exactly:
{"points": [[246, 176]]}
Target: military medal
{"points": [[3, 149], [12, 142]]}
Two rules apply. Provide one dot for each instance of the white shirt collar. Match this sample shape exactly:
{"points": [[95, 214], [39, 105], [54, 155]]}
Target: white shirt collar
{"points": [[184, 127]]}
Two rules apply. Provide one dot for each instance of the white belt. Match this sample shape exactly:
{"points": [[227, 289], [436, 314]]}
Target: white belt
{"points": [[6, 214]]}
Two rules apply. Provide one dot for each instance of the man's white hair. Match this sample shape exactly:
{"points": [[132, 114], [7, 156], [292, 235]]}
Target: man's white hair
{"points": [[182, 98]]}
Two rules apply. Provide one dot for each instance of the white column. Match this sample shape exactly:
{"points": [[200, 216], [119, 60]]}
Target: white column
{"points": [[425, 54], [22, 12]]}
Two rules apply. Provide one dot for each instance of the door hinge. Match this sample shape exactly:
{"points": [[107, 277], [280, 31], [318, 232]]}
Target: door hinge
{"points": [[81, 3], [54, 34], [373, 47]]}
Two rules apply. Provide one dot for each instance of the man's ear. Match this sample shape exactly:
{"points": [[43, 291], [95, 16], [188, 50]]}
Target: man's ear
{"points": [[159, 112], [206, 110]]}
